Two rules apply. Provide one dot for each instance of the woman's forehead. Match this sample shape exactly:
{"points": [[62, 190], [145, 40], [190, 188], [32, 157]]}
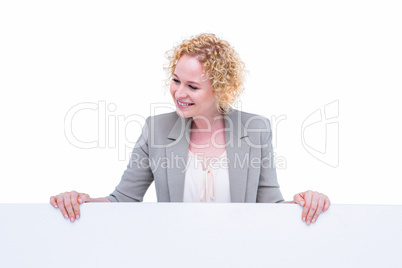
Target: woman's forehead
{"points": [[189, 68]]}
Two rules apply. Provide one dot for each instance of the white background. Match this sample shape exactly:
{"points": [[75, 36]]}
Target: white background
{"points": [[301, 56]]}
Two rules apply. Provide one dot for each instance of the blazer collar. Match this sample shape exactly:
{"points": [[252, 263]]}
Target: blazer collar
{"points": [[232, 122], [180, 128], [237, 151]]}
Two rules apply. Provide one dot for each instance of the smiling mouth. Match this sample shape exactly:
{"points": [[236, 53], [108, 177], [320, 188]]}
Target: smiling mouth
{"points": [[184, 104]]}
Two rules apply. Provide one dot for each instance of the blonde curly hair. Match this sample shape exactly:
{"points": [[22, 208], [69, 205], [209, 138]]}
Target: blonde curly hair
{"points": [[219, 60]]}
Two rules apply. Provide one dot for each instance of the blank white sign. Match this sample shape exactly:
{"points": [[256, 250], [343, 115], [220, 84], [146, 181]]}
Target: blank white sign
{"points": [[200, 235]]}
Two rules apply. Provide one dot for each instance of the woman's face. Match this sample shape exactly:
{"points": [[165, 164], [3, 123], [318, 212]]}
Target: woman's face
{"points": [[191, 92]]}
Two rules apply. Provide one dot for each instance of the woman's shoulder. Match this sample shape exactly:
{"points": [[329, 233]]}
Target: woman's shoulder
{"points": [[162, 119], [163, 123], [250, 120]]}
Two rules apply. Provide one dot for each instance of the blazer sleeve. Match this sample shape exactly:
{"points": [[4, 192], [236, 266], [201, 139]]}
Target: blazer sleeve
{"points": [[268, 186], [138, 175]]}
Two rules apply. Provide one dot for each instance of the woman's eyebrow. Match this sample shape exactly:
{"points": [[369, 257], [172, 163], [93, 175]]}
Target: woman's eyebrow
{"points": [[191, 82]]}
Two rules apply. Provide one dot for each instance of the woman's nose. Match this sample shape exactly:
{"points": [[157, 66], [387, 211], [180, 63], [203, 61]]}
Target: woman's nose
{"points": [[181, 92]]}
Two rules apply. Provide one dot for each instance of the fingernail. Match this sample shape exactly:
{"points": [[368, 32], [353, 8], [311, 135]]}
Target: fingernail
{"points": [[55, 206], [77, 217], [71, 219], [301, 203], [65, 216], [304, 219], [80, 200], [313, 221], [308, 222]]}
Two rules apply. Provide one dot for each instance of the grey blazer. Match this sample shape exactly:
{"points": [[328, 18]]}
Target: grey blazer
{"points": [[161, 151]]}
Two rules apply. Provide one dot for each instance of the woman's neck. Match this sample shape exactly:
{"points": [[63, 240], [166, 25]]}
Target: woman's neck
{"points": [[208, 136], [208, 124]]}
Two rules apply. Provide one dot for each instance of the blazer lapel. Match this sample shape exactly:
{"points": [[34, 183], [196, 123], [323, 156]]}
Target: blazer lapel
{"points": [[238, 153], [176, 153]]}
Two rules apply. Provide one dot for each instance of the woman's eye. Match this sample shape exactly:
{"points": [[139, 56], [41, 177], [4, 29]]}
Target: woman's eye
{"points": [[176, 81], [192, 87]]}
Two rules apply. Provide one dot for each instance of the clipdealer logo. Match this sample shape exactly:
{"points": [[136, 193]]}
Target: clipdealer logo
{"points": [[320, 134], [112, 128]]}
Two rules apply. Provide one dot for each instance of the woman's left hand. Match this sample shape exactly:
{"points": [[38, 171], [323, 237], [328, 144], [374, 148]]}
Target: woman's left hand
{"points": [[313, 204]]}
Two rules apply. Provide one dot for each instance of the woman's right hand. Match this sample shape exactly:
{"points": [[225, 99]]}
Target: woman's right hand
{"points": [[69, 204]]}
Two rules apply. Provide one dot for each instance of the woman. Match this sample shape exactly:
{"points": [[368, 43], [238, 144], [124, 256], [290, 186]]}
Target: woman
{"points": [[206, 151]]}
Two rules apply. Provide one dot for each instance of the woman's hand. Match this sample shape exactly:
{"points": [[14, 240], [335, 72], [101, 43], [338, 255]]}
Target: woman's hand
{"points": [[69, 204], [313, 204]]}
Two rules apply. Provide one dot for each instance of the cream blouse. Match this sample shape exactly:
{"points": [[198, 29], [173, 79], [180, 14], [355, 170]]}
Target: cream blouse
{"points": [[207, 183]]}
